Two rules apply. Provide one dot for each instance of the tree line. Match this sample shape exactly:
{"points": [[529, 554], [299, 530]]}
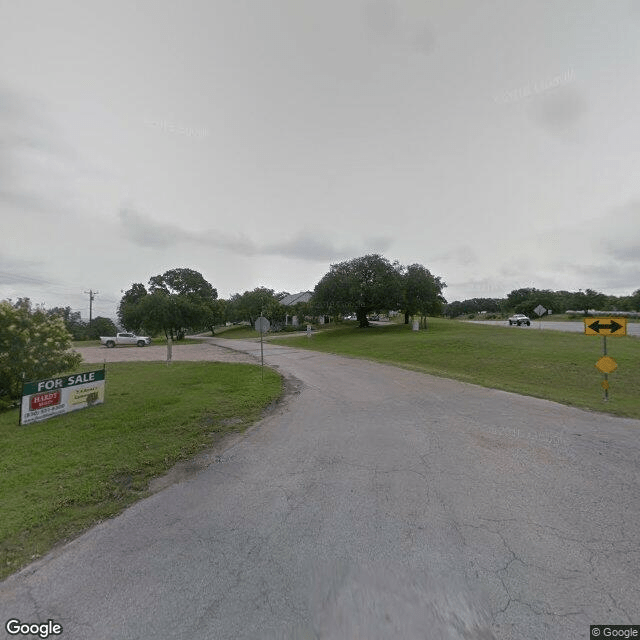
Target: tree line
{"points": [[525, 300], [181, 300]]}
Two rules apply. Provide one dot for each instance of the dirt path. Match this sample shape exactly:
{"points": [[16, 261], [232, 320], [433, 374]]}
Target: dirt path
{"points": [[186, 352]]}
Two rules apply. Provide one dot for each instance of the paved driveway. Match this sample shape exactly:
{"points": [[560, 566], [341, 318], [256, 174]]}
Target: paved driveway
{"points": [[374, 503]]}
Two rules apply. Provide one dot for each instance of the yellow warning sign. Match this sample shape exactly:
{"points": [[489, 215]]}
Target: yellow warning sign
{"points": [[605, 384], [605, 327], [606, 364]]}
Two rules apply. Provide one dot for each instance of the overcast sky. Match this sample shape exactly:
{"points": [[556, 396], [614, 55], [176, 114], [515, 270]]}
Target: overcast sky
{"points": [[259, 141]]}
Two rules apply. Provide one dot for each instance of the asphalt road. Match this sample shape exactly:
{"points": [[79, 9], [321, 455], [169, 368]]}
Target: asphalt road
{"points": [[373, 503], [633, 328]]}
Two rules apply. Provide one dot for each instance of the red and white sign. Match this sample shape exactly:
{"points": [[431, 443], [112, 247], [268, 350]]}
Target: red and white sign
{"points": [[42, 400]]}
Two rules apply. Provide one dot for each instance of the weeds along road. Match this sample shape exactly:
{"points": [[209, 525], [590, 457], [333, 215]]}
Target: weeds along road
{"points": [[374, 503]]}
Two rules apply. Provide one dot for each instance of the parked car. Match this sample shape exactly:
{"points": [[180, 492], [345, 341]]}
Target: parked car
{"points": [[125, 338], [519, 319]]}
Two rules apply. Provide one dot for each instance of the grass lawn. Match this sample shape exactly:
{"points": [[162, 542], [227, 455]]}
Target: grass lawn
{"points": [[241, 332], [547, 364], [60, 476], [237, 332]]}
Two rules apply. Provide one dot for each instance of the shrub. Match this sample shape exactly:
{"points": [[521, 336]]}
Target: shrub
{"points": [[33, 345]]}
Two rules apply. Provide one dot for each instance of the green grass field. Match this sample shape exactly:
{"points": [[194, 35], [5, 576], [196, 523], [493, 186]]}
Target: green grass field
{"points": [[546, 364], [237, 332], [243, 331], [60, 476]]}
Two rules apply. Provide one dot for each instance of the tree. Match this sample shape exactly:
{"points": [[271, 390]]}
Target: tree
{"points": [[527, 299], [32, 343], [176, 301], [72, 321], [588, 299], [251, 304], [130, 308], [519, 300], [366, 284], [184, 282], [217, 315], [101, 327], [421, 292]]}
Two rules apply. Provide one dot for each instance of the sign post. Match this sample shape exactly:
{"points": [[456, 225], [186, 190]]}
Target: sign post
{"points": [[262, 325], [540, 310], [605, 327]]}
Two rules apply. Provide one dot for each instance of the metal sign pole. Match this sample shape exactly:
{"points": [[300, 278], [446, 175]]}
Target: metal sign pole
{"points": [[606, 376], [21, 395], [605, 327], [262, 325]]}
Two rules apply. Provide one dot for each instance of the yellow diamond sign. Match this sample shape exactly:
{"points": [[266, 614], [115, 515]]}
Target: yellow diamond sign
{"points": [[606, 364]]}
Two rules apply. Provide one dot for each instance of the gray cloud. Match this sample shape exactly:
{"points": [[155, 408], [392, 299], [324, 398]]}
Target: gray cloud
{"points": [[628, 253], [386, 20], [381, 16], [147, 232], [144, 231], [424, 40], [609, 276], [481, 288], [305, 246], [34, 161], [622, 239], [17, 272], [560, 109], [463, 255], [12, 106]]}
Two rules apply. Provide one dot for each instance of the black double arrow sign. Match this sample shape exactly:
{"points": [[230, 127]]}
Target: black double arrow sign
{"points": [[613, 327]]}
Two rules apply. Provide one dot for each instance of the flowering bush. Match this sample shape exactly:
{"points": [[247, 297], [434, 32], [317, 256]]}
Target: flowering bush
{"points": [[31, 344]]}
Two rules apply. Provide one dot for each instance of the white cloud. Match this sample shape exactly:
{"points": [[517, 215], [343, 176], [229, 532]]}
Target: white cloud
{"points": [[145, 231], [247, 149]]}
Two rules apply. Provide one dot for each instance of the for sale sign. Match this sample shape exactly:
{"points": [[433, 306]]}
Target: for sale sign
{"points": [[47, 398]]}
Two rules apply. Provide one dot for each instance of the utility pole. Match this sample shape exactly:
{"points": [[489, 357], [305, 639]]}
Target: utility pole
{"points": [[92, 295]]}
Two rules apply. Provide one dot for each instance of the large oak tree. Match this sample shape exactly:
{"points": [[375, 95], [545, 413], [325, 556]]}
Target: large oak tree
{"points": [[367, 284], [175, 301], [421, 292]]}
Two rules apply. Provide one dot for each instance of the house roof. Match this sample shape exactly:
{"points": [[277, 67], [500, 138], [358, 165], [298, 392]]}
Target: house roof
{"points": [[294, 298]]}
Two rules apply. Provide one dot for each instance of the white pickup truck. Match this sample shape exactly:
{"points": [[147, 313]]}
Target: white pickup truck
{"points": [[125, 338]]}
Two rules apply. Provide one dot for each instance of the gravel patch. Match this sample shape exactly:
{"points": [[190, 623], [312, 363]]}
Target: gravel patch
{"points": [[187, 352]]}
